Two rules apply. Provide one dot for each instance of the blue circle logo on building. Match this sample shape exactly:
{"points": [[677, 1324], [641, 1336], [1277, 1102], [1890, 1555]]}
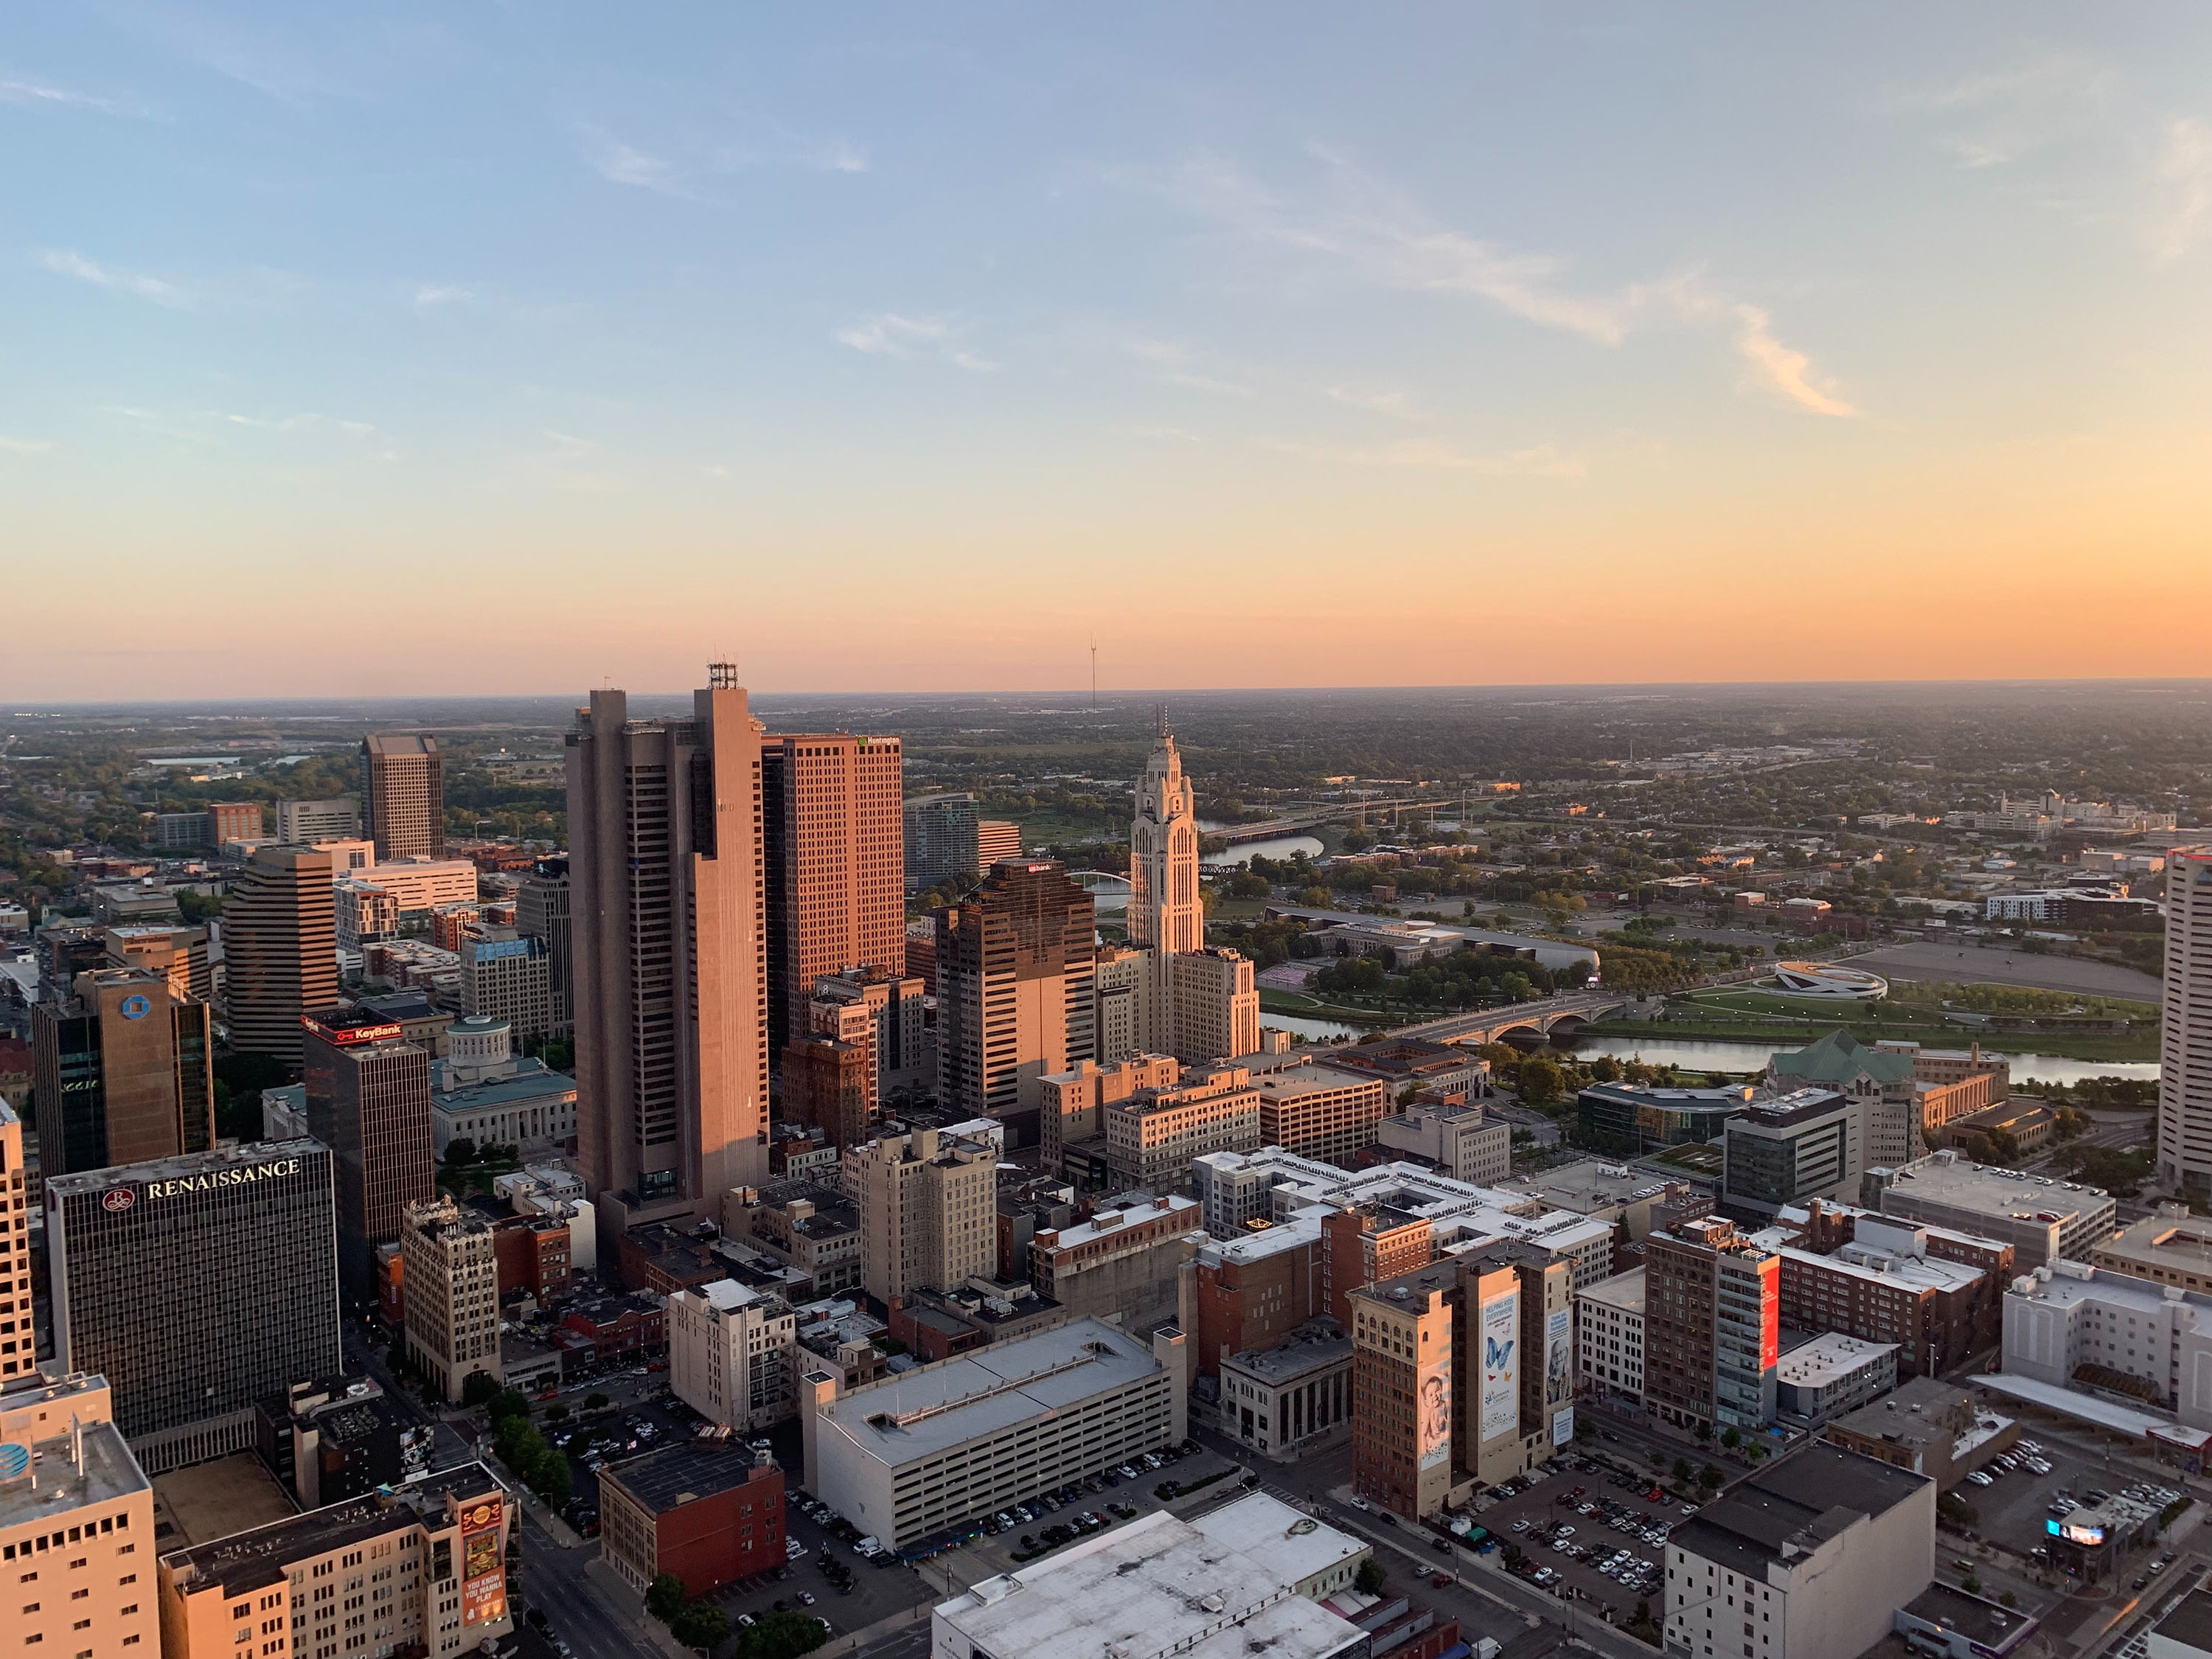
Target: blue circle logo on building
{"points": [[136, 1007], [13, 1461]]}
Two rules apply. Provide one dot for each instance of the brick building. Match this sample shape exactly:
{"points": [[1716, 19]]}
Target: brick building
{"points": [[708, 1516]]}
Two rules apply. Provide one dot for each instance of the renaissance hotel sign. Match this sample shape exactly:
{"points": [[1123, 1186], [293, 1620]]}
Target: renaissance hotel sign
{"points": [[207, 1181]]}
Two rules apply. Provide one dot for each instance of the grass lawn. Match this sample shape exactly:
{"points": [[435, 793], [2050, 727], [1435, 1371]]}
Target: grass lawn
{"points": [[1296, 1002], [1236, 909]]}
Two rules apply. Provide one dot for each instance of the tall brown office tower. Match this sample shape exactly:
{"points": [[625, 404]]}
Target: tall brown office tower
{"points": [[836, 865], [280, 949], [368, 1101], [668, 933], [403, 795], [125, 1073], [1014, 967]]}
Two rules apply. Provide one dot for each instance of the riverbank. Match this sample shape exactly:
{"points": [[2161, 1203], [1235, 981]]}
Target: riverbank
{"points": [[1272, 1001], [2126, 1050]]}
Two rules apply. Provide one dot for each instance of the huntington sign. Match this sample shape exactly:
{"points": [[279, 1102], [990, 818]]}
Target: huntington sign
{"points": [[214, 1179]]}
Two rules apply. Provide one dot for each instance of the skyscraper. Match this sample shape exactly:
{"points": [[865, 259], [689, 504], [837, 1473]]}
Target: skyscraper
{"points": [[368, 1101], [1164, 911], [403, 795], [541, 910], [668, 931], [126, 1072], [940, 838], [17, 1356], [1014, 1001], [199, 1286], [2184, 1081], [836, 865], [280, 949], [450, 1288]]}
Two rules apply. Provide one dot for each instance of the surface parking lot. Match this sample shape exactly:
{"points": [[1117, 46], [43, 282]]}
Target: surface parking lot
{"points": [[1113, 1498], [1577, 1522], [2015, 1506]]}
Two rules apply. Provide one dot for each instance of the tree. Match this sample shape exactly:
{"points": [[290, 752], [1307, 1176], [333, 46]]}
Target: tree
{"points": [[509, 1402], [1541, 1080], [2010, 1600], [1682, 1469], [479, 1388], [1367, 1581], [461, 1152], [664, 1596], [783, 1636], [549, 1477], [595, 1401], [556, 1414], [1710, 1478], [1731, 1438], [701, 1625]]}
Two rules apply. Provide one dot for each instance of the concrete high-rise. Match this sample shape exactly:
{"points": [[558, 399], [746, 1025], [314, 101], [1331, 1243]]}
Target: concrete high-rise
{"points": [[541, 910], [403, 795], [940, 831], [2185, 1082], [835, 865], [199, 1286], [732, 1354], [1014, 1003], [1712, 1327], [179, 954], [1164, 911], [903, 1051], [18, 1354], [280, 948], [669, 928], [368, 1101], [307, 821], [928, 1212], [126, 1072], [449, 1289]]}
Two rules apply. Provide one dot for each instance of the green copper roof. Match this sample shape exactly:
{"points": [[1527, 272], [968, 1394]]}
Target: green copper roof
{"points": [[1838, 1058]]}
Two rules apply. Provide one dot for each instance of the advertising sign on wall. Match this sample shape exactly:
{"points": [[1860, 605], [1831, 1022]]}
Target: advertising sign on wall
{"points": [[1501, 1365], [484, 1570], [1559, 1355], [1433, 1404], [1563, 1426]]}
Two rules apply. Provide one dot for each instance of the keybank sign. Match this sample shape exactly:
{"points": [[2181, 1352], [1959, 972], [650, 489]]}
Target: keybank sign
{"points": [[177, 1186]]}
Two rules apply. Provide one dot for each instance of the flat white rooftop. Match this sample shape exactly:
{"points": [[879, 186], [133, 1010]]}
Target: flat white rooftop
{"points": [[2071, 1285], [1829, 1357], [1909, 1272], [1287, 1542], [1942, 1179], [1155, 1587], [1623, 1290], [938, 1408]]}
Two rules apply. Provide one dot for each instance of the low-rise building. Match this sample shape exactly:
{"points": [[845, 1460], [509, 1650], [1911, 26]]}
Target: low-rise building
{"points": [[1461, 1140], [1610, 1337], [1320, 1111], [1250, 1292], [1808, 1143], [483, 1092], [1832, 1374], [1927, 1426], [1151, 1135], [1442, 1068], [732, 1354], [1123, 1266], [420, 1569], [1938, 1313], [2168, 1246], [2075, 1326], [935, 1448], [2042, 1217], [76, 1523], [1629, 1120], [1237, 1581], [1807, 1559], [710, 1515], [813, 1229], [1291, 1398], [326, 1442]]}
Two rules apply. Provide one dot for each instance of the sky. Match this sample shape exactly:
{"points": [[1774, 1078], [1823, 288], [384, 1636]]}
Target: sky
{"points": [[522, 348]]}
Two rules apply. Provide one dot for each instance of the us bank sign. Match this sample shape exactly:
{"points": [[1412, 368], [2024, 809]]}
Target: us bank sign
{"points": [[239, 1175]]}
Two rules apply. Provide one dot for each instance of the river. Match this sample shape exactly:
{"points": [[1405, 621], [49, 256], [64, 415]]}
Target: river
{"points": [[1280, 846]]}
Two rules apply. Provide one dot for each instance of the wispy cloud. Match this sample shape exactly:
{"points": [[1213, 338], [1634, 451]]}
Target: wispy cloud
{"points": [[888, 334], [1396, 405], [15, 90], [1996, 117], [431, 294], [70, 263], [2182, 183], [1375, 231], [1538, 461], [777, 145], [620, 164], [1176, 365], [24, 446], [304, 422]]}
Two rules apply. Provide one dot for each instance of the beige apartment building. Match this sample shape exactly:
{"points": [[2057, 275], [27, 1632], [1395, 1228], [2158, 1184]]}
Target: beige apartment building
{"points": [[1317, 1111], [1152, 1134], [451, 1287], [667, 924], [836, 865], [1213, 1006], [77, 1524], [419, 1569], [1072, 1103], [928, 1212], [731, 1354]]}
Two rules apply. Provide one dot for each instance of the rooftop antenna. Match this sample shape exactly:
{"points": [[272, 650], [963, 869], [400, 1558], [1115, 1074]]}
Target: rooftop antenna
{"points": [[1164, 719]]}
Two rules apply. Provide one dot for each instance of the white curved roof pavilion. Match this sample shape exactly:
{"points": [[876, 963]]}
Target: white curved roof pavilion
{"points": [[1829, 979]]}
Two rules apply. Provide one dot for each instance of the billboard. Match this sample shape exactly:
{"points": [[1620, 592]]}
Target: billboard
{"points": [[1433, 1408], [1500, 1337], [1559, 1356], [1563, 1426], [483, 1568], [2088, 1536]]}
